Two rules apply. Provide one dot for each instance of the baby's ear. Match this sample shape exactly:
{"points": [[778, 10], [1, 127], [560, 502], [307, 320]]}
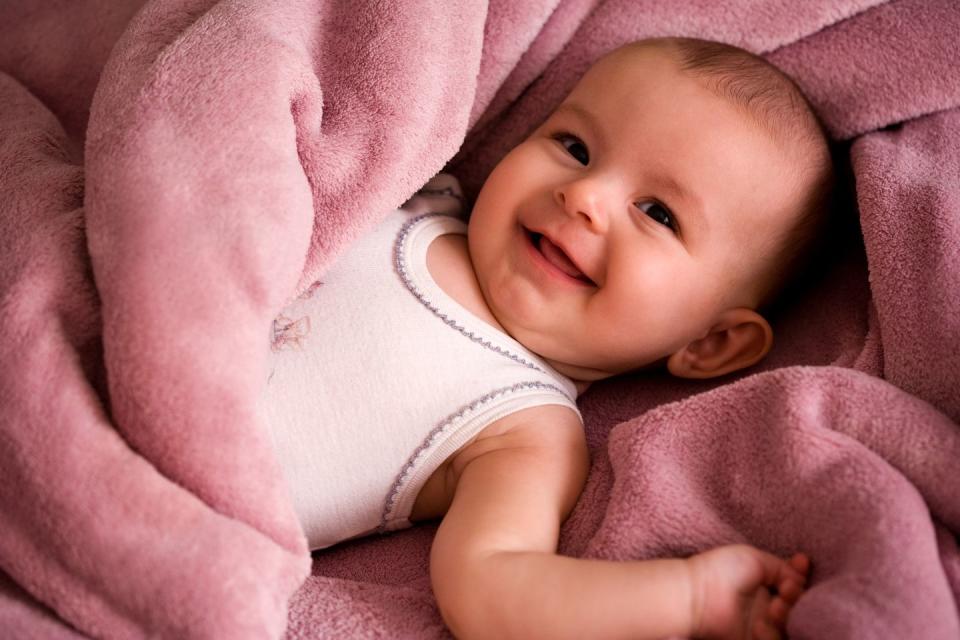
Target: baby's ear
{"points": [[740, 338]]}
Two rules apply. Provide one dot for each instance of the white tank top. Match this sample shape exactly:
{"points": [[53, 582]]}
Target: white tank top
{"points": [[378, 376]]}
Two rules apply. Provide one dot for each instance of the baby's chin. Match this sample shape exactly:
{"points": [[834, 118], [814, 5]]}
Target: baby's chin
{"points": [[586, 374], [578, 372]]}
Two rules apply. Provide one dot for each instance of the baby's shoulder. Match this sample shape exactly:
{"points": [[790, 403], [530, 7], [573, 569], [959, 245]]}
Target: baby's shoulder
{"points": [[442, 194], [542, 428]]}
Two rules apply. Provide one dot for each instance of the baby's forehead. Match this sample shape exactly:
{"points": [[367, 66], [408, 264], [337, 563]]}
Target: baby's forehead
{"points": [[765, 95]]}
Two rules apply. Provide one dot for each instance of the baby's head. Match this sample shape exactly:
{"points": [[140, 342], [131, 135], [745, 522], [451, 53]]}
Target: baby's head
{"points": [[656, 210]]}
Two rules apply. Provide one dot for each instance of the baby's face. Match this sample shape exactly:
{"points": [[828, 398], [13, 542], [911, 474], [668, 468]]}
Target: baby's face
{"points": [[619, 230]]}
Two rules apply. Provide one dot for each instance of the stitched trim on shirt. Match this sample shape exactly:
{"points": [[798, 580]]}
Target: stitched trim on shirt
{"points": [[444, 192], [391, 499], [401, 266]]}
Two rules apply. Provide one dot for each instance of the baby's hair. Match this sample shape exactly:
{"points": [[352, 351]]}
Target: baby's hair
{"points": [[775, 102]]}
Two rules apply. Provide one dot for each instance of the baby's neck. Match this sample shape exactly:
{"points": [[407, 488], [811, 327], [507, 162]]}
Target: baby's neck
{"points": [[448, 261]]}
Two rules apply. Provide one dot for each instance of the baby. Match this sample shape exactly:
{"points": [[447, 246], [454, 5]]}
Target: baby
{"points": [[434, 371]]}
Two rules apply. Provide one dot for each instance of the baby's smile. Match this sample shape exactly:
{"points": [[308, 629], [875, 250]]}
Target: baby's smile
{"points": [[555, 259]]}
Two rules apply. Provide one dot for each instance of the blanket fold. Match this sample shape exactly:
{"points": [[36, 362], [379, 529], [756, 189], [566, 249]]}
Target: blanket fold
{"points": [[81, 508], [174, 176]]}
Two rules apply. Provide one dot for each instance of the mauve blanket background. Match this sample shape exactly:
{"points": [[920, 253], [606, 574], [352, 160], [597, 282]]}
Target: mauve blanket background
{"points": [[172, 173]]}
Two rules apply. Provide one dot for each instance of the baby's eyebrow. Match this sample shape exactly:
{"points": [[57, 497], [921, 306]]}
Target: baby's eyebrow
{"points": [[691, 213], [668, 183], [584, 115]]}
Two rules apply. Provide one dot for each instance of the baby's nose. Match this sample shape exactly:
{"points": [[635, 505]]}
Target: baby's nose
{"points": [[584, 199]]}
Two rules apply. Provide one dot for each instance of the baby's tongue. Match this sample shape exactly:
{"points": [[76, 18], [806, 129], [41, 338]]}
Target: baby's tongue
{"points": [[558, 258]]}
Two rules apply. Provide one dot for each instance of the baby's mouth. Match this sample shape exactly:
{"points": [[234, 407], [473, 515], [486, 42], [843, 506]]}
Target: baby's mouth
{"points": [[557, 257]]}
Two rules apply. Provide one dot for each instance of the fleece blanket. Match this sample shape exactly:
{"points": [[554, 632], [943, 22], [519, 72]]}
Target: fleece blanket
{"points": [[173, 171]]}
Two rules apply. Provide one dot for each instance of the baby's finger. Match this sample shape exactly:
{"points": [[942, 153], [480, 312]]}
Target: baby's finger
{"points": [[775, 570], [763, 630], [793, 570], [801, 563], [790, 591], [778, 611]]}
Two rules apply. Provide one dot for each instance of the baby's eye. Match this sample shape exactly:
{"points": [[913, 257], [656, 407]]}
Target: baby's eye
{"points": [[574, 146], [658, 213]]}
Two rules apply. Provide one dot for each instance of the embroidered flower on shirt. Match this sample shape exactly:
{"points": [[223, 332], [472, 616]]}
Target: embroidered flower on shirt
{"points": [[287, 333]]}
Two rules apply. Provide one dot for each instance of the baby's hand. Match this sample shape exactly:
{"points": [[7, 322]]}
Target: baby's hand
{"points": [[731, 592]]}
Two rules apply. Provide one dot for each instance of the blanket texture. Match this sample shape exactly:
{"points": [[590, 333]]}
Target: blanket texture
{"points": [[173, 172]]}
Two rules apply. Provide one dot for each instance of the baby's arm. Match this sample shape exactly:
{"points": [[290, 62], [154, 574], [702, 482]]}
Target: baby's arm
{"points": [[496, 574]]}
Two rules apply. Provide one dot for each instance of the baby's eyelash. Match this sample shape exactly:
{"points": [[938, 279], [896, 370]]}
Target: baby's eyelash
{"points": [[670, 220], [562, 136]]}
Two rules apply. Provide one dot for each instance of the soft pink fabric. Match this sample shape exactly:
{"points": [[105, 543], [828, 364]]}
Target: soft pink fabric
{"points": [[233, 148]]}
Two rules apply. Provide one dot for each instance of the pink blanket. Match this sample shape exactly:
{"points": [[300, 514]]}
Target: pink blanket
{"points": [[172, 174]]}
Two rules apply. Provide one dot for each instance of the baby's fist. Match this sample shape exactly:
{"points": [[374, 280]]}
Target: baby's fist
{"points": [[731, 589]]}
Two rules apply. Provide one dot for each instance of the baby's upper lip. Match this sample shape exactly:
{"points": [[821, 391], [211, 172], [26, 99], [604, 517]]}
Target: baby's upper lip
{"points": [[565, 247]]}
